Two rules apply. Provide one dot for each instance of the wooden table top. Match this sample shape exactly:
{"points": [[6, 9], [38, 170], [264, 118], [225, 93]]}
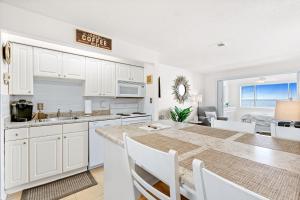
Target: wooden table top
{"points": [[267, 166]]}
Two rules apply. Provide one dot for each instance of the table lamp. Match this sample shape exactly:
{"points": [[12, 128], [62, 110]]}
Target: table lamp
{"points": [[287, 111]]}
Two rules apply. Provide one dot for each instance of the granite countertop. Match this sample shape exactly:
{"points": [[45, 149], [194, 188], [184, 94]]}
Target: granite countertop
{"points": [[33, 123], [267, 156]]}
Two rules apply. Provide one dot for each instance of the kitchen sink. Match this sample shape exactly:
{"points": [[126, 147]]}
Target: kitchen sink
{"points": [[55, 119]]}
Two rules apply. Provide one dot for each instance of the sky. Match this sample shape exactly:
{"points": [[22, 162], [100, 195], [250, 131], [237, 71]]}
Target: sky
{"points": [[269, 91]]}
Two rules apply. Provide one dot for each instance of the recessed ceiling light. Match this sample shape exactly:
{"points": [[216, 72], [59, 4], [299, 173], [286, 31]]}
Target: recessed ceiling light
{"points": [[221, 44]]}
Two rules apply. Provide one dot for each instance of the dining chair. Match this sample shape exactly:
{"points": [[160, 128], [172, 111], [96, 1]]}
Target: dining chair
{"points": [[215, 187], [162, 165], [233, 125], [289, 133]]}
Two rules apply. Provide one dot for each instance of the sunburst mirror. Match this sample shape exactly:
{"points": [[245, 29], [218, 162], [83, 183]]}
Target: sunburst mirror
{"points": [[181, 89]]}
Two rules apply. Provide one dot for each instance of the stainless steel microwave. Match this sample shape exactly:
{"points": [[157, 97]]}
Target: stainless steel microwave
{"points": [[130, 89]]}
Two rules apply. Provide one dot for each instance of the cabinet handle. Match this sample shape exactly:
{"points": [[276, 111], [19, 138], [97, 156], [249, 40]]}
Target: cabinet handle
{"points": [[65, 136], [58, 75], [58, 138], [17, 134], [24, 142]]}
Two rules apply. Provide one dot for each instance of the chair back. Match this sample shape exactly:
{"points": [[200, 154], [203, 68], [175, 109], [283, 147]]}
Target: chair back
{"points": [[215, 187], [162, 165], [234, 126], [203, 109], [289, 133]]}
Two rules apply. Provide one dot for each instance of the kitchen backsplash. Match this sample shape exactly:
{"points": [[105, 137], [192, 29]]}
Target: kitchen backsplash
{"points": [[69, 96]]}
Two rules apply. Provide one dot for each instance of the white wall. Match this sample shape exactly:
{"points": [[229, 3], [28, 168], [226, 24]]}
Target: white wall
{"points": [[36, 26], [167, 76], [279, 67]]}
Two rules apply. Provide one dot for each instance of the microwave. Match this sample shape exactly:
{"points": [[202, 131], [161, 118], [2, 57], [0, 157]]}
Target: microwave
{"points": [[130, 89]]}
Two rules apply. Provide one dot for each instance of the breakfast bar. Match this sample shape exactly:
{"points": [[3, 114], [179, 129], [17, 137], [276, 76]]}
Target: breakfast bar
{"points": [[262, 164]]}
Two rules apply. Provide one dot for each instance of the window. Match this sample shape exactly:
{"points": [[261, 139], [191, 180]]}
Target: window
{"points": [[265, 95]]}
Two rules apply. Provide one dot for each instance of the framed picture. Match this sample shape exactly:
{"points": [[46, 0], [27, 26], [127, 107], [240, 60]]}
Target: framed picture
{"points": [[149, 79]]}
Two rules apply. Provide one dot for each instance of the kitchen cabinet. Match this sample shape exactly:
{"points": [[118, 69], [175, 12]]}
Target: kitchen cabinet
{"points": [[92, 78], [123, 72], [45, 157], [100, 78], [130, 73], [108, 77], [137, 74], [55, 64], [75, 150], [73, 66], [21, 70], [16, 163], [47, 63]]}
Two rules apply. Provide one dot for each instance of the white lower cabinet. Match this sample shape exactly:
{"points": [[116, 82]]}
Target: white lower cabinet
{"points": [[75, 151], [16, 163], [45, 157], [38, 154]]}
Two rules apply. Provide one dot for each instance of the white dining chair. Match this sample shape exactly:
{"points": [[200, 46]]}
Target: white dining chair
{"points": [[289, 133], [162, 165], [233, 125], [215, 187]]}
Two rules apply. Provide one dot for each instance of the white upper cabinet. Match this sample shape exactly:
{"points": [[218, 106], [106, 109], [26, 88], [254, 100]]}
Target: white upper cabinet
{"points": [[73, 66], [92, 77], [123, 72], [137, 74], [130, 73], [100, 78], [108, 85], [21, 70], [47, 63]]}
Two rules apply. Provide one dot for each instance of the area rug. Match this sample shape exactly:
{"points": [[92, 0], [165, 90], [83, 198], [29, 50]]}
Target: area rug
{"points": [[60, 188]]}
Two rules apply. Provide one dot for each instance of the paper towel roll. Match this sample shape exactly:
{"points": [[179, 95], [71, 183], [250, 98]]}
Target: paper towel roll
{"points": [[88, 107]]}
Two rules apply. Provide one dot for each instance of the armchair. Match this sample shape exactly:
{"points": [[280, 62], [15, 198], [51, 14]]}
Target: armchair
{"points": [[202, 116]]}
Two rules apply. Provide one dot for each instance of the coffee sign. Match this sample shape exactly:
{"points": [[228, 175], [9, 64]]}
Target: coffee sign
{"points": [[93, 39]]}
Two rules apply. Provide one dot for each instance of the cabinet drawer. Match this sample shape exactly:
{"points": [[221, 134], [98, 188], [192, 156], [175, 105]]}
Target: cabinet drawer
{"points": [[16, 134], [45, 131], [76, 127]]}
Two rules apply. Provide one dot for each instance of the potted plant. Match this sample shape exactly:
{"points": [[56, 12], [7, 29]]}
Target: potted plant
{"points": [[180, 115]]}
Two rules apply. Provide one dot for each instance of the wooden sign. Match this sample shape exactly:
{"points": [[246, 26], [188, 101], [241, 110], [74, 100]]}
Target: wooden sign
{"points": [[93, 40]]}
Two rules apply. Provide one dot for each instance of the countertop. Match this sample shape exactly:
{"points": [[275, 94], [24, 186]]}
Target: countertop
{"points": [[276, 159], [33, 123]]}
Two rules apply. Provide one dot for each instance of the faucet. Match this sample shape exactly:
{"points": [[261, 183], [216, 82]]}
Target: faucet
{"points": [[58, 114]]}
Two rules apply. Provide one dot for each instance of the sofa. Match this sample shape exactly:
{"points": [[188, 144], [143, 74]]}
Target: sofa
{"points": [[206, 120]]}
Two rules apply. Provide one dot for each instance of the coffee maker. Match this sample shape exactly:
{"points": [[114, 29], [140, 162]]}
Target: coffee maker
{"points": [[21, 111]]}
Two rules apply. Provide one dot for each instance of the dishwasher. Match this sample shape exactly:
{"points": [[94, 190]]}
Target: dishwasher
{"points": [[96, 146]]}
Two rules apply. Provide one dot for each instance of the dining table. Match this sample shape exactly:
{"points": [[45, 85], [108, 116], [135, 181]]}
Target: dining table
{"points": [[263, 164]]}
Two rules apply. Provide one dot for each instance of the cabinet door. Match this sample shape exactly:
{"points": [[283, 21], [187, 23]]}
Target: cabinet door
{"points": [[73, 66], [137, 74], [45, 157], [123, 72], [92, 78], [22, 70], [47, 63], [75, 151], [108, 85], [16, 163]]}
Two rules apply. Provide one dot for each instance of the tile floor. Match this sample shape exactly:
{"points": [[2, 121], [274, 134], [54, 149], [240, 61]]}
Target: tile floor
{"points": [[92, 193]]}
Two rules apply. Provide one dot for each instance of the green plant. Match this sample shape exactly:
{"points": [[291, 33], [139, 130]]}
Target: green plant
{"points": [[179, 115]]}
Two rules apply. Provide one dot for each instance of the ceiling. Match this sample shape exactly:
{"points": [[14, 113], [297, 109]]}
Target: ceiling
{"points": [[186, 33]]}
